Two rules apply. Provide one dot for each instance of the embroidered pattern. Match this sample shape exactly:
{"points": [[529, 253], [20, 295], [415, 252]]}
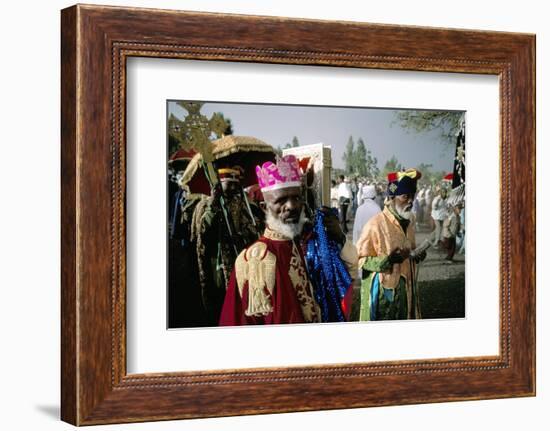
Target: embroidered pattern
{"points": [[284, 173], [302, 286], [275, 236], [256, 266]]}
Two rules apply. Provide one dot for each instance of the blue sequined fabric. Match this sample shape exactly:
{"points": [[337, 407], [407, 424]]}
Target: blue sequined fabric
{"points": [[327, 271]]}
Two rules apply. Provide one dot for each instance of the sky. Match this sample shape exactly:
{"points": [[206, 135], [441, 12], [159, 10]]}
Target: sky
{"points": [[382, 134]]}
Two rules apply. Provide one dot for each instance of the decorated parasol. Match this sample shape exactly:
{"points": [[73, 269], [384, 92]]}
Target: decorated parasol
{"points": [[244, 151], [196, 132], [180, 159]]}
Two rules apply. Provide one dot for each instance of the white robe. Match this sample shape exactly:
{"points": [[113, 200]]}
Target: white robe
{"points": [[364, 213]]}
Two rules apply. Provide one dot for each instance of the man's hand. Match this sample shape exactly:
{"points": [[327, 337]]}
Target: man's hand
{"points": [[332, 226], [398, 255], [420, 257]]}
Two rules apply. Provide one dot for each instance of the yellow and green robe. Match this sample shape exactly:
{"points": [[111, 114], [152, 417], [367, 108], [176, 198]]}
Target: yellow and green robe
{"points": [[387, 291]]}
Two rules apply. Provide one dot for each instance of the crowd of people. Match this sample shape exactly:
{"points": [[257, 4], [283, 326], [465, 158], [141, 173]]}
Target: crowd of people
{"points": [[358, 200], [264, 254]]}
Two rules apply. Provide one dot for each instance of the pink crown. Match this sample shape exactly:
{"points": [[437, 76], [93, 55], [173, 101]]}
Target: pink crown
{"points": [[285, 173]]}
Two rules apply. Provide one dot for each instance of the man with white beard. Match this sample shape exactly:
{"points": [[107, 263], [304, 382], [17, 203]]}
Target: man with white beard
{"points": [[270, 283], [388, 290]]}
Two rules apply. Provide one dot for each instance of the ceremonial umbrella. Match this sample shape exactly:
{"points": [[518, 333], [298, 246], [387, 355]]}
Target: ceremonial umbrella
{"points": [[244, 151], [179, 160]]}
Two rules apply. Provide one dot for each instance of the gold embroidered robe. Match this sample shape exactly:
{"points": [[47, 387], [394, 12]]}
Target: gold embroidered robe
{"points": [[269, 285]]}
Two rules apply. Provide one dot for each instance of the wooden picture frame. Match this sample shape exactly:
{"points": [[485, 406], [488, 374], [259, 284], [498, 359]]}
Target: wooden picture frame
{"points": [[95, 43]]}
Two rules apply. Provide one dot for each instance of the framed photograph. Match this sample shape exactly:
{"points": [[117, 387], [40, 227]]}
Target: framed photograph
{"points": [[268, 215]]}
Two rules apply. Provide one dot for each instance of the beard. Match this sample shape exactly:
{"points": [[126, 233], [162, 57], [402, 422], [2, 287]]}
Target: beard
{"points": [[403, 212], [288, 230]]}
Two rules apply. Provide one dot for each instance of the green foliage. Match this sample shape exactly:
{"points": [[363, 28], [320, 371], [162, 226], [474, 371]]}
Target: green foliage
{"points": [[427, 174], [374, 170], [365, 164], [392, 165], [293, 144], [336, 172], [360, 159], [448, 123], [348, 157], [229, 127], [430, 177]]}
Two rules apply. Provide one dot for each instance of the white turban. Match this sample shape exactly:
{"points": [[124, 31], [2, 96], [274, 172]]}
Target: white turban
{"points": [[369, 192]]}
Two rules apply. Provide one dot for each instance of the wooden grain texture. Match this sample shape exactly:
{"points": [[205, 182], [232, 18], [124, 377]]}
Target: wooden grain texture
{"points": [[69, 366], [96, 42]]}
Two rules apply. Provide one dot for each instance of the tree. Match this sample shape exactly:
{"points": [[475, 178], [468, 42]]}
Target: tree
{"points": [[392, 165], [336, 172], [366, 165], [293, 144], [229, 127], [430, 177], [375, 170], [448, 123], [426, 171], [372, 170], [348, 157], [360, 159]]}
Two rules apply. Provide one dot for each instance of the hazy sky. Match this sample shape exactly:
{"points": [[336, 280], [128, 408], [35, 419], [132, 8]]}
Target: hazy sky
{"points": [[277, 124]]}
